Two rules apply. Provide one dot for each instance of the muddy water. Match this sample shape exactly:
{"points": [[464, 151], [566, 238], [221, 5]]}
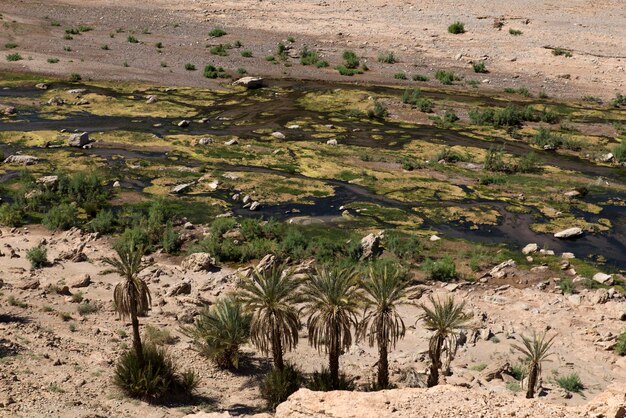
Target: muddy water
{"points": [[283, 108]]}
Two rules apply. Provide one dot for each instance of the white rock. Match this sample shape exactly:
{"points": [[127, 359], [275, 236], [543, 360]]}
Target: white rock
{"points": [[434, 238], [278, 135], [332, 142], [569, 233], [530, 248], [603, 278]]}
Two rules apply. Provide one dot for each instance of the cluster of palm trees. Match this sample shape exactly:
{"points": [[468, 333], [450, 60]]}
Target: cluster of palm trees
{"points": [[340, 305]]}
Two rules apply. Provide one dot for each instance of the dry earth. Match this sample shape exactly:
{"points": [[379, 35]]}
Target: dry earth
{"points": [[416, 32], [58, 363]]}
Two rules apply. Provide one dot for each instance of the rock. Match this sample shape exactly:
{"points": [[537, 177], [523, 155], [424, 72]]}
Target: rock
{"points": [[568, 256], [78, 140], [198, 262], [182, 188], [82, 280], [599, 297], [21, 159], [77, 91], [371, 245], [48, 180], [331, 142], [569, 233], [246, 199], [254, 205], [546, 252], [434, 238], [205, 141], [249, 82], [42, 86], [530, 248], [606, 158], [572, 194], [278, 135], [56, 101], [150, 99], [188, 225], [267, 262], [539, 269], [182, 288], [231, 142], [496, 370], [603, 278], [117, 183], [7, 110], [183, 123], [499, 271], [29, 284]]}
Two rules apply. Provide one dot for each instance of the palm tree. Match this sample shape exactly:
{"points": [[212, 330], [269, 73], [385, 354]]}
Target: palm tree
{"points": [[445, 318], [536, 349], [384, 291], [131, 296], [331, 298], [220, 330], [271, 297]]}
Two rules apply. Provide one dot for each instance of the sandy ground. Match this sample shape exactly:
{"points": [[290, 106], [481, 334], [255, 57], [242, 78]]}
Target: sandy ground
{"points": [[63, 368], [415, 32]]}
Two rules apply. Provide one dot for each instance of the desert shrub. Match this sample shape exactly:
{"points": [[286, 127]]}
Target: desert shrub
{"points": [[170, 241], [567, 286], [77, 297], [494, 160], [620, 345], [379, 111], [442, 269], [480, 67], [10, 45], [104, 222], [14, 57], [488, 179], [13, 301], [349, 72], [217, 32], [411, 96], [448, 155], [219, 50], [321, 382], [75, 77], [445, 77], [562, 51], [571, 383], [87, 308], [132, 39], [157, 379], [159, 336], [419, 77], [456, 28], [404, 246], [136, 236], [527, 163], [278, 385], [518, 371], [425, 105], [309, 57], [210, 71], [514, 387], [619, 153], [478, 367], [515, 32], [351, 60], [504, 117], [11, 215], [38, 256], [619, 100], [450, 117], [219, 331], [190, 67], [387, 57], [61, 217], [399, 76], [53, 60], [546, 139], [246, 53]]}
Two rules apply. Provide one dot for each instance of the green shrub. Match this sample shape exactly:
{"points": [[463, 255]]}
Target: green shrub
{"points": [[349, 72], [619, 153], [514, 387], [11, 215], [132, 39], [399, 76], [518, 372], [494, 160], [10, 45], [219, 331], [379, 111], [442, 269], [411, 96], [219, 50], [104, 222], [445, 77], [480, 67], [404, 246], [351, 60], [456, 28], [547, 140], [619, 100], [571, 383], [217, 33], [567, 286], [157, 379], [309, 57], [561, 51], [159, 336], [450, 156], [322, 64], [14, 57], [38, 256], [190, 67], [420, 77], [527, 163], [87, 308], [278, 385], [322, 382], [387, 57], [503, 117], [211, 71], [61, 217], [515, 32], [53, 60], [159, 45], [13, 301], [425, 105], [620, 344], [170, 241], [75, 77], [246, 53]]}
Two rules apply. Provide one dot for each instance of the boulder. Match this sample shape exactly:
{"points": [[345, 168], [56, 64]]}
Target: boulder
{"points": [[569, 233], [496, 370], [434, 238], [42, 86], [278, 135], [21, 159], [371, 245], [82, 280], [56, 101], [331, 142], [499, 271], [249, 82], [607, 158], [183, 123], [48, 180], [267, 262], [182, 188], [7, 110], [254, 205], [198, 262], [182, 288], [151, 98], [599, 297], [231, 142], [530, 248], [29, 284], [603, 278], [78, 140]]}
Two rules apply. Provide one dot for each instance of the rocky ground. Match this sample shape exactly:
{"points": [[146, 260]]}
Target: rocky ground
{"points": [[593, 34], [56, 361]]}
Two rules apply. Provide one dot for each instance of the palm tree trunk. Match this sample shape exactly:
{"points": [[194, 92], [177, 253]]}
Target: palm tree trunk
{"points": [[532, 382], [333, 361], [277, 349], [383, 364], [135, 323], [435, 363]]}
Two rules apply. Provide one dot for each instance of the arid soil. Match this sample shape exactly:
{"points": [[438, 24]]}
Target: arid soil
{"points": [[58, 363], [594, 33]]}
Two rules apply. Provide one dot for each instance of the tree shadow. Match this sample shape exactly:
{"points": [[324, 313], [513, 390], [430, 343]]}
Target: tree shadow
{"points": [[7, 318], [8, 348]]}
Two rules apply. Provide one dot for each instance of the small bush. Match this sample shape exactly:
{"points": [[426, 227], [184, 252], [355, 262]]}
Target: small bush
{"points": [[619, 153], [132, 39], [515, 32], [217, 33], [104, 222], [190, 67], [514, 387], [400, 76], [277, 385], [620, 345], [405, 247], [159, 45], [14, 57], [104, 47], [619, 100], [61, 217], [420, 77], [456, 28], [10, 45], [518, 372], [387, 57], [561, 51], [351, 60], [87, 308], [321, 382], [11, 215], [479, 367], [445, 77], [379, 111], [527, 163], [349, 72], [494, 160], [170, 241], [448, 155], [443, 269], [53, 60], [425, 105], [246, 53], [567, 286], [219, 50], [159, 336], [571, 383], [211, 71], [309, 57], [77, 297], [13, 301], [547, 140], [38, 256], [480, 67], [157, 379], [75, 77]]}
